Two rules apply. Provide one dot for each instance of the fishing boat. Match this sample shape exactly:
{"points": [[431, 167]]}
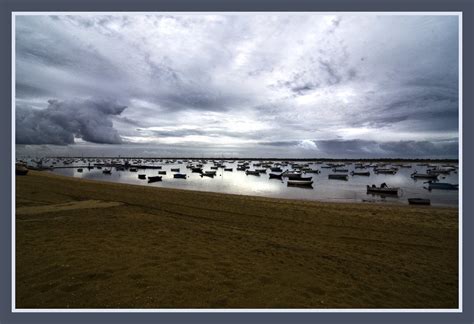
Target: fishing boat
{"points": [[312, 171], [142, 176], [228, 169], [297, 176], [382, 190], [365, 174], [206, 174], [261, 170], [154, 178], [385, 171], [419, 201], [252, 172], [340, 170], [438, 171], [196, 170], [416, 175], [162, 172], [338, 176], [179, 176], [133, 170], [175, 170], [107, 171], [79, 170], [292, 175], [300, 183], [442, 185], [213, 173], [276, 169], [275, 176]]}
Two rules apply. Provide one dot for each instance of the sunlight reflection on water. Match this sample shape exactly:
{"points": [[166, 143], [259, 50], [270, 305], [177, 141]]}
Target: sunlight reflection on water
{"points": [[324, 189]]}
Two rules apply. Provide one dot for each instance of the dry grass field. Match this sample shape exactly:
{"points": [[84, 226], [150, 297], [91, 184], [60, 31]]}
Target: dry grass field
{"points": [[89, 244]]}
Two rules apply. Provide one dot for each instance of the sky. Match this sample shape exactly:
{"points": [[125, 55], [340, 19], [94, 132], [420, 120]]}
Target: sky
{"points": [[227, 85]]}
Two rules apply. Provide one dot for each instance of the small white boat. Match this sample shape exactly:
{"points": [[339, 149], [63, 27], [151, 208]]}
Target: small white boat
{"points": [[382, 190]]}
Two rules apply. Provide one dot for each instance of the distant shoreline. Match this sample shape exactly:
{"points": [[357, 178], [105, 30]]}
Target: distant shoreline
{"points": [[260, 159]]}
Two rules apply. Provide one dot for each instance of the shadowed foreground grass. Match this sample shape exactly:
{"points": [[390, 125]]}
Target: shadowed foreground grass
{"points": [[88, 244]]}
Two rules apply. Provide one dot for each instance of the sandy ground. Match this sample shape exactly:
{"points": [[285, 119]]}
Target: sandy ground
{"points": [[88, 244]]}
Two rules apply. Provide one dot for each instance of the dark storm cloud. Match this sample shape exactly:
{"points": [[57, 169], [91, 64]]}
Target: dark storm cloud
{"points": [[388, 149], [429, 107], [421, 148], [62, 121], [374, 149]]}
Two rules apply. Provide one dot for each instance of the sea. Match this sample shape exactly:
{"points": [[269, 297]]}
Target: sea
{"points": [[354, 189]]}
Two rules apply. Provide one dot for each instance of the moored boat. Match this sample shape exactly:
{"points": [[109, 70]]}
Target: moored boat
{"points": [[275, 176], [338, 176], [21, 169], [292, 175], [252, 172], [416, 175], [385, 171], [179, 176], [442, 186], [154, 178], [382, 190], [301, 183], [340, 170], [438, 171], [419, 201], [356, 173]]}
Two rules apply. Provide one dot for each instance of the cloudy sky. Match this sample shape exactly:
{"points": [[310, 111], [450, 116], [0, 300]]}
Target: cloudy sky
{"points": [[254, 85]]}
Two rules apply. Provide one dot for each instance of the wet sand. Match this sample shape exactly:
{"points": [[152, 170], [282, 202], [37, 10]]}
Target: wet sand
{"points": [[90, 244]]}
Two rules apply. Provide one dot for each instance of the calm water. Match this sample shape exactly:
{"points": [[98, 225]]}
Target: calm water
{"points": [[324, 189]]}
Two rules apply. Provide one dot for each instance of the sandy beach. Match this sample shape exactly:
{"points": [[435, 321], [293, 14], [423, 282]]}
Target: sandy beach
{"points": [[90, 244]]}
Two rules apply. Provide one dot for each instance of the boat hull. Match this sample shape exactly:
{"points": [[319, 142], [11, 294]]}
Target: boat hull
{"points": [[419, 201], [300, 183]]}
